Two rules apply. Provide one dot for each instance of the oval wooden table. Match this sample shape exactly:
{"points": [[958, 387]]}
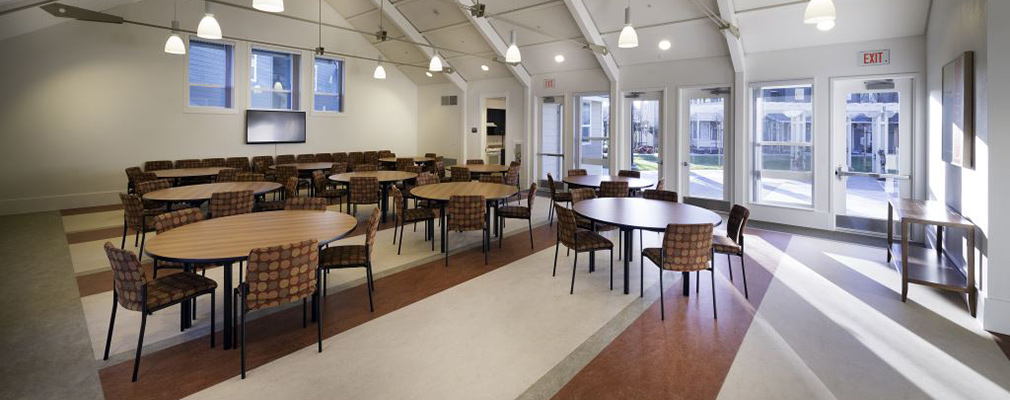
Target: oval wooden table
{"points": [[442, 192], [417, 160], [630, 213], [180, 173], [228, 240], [201, 193], [386, 178], [594, 181]]}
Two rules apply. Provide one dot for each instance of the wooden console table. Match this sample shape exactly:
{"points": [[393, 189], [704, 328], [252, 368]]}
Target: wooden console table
{"points": [[919, 264]]}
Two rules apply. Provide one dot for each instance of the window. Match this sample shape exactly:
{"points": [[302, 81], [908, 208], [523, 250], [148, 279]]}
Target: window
{"points": [[783, 145], [210, 74], [328, 87], [273, 80]]}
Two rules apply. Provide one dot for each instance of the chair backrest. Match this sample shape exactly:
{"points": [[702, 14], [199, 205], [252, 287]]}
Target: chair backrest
{"points": [[403, 163], [157, 165], [214, 162], [189, 163], [320, 181], [239, 163], [475, 161], [371, 229], [466, 213], [659, 185], [152, 186], [286, 159], [577, 172], [324, 157], [664, 195], [738, 217], [133, 210], [366, 168], [340, 157], [512, 176], [249, 177], [460, 174], [416, 169], [489, 178], [426, 178], [283, 172], [133, 173], [127, 277], [613, 189], [440, 169], [629, 173], [430, 155], [305, 158], [398, 203], [306, 203], [338, 168], [175, 219], [582, 194], [551, 185], [364, 189], [223, 204], [291, 187], [566, 225], [227, 175], [531, 195], [687, 247], [144, 177], [261, 164], [370, 157], [281, 274], [355, 158]]}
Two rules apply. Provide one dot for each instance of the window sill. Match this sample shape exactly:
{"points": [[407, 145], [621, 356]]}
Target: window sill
{"points": [[209, 110]]}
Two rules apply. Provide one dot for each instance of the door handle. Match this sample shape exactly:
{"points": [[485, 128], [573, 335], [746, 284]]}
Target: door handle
{"points": [[840, 172]]}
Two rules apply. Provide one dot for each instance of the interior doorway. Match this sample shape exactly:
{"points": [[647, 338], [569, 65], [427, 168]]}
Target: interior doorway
{"points": [[551, 157], [592, 133], [494, 115]]}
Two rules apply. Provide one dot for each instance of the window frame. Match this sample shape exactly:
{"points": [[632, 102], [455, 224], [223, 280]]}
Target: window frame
{"points": [[296, 78], [191, 109], [343, 88], [755, 144]]}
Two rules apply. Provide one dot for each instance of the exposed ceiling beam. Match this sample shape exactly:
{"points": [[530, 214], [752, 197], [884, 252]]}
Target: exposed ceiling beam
{"points": [[403, 25], [732, 35], [497, 44], [592, 35]]}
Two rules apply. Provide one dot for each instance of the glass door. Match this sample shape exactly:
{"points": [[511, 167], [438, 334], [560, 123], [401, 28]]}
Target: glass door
{"points": [[871, 137], [551, 156], [592, 133], [705, 169], [646, 133]]}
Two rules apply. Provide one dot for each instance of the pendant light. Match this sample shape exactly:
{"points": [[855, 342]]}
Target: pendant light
{"points": [[208, 28], [274, 6], [820, 13], [512, 55], [174, 45], [436, 64], [380, 73], [628, 38]]}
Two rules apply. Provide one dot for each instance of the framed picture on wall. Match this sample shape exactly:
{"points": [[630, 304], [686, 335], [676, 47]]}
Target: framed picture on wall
{"points": [[959, 111]]}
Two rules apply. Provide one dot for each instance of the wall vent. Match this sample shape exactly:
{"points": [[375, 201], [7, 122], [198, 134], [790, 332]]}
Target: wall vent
{"points": [[449, 100]]}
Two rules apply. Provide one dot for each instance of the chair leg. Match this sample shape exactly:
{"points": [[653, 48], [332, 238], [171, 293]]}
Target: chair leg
{"points": [[487, 243], [213, 317], [501, 231], [743, 271], [319, 323], [575, 264], [136, 239], [446, 239], [400, 248], [662, 303], [395, 227], [140, 344], [143, 237], [368, 279], [530, 223], [729, 267], [697, 281], [242, 323], [112, 323], [557, 246], [611, 268], [123, 245], [641, 274], [715, 314]]}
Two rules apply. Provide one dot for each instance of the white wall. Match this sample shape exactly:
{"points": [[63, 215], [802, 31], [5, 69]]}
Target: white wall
{"points": [[86, 100], [996, 280], [440, 128]]}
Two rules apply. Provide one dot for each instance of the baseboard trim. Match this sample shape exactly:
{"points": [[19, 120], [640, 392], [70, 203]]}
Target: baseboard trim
{"points": [[26, 205]]}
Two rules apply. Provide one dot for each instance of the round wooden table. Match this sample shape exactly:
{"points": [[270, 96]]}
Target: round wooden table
{"points": [[228, 240], [417, 160], [309, 166], [593, 181], [386, 178], [178, 173], [442, 192], [630, 213], [200, 193]]}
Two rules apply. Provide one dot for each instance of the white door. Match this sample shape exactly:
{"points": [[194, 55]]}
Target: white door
{"points": [[646, 127], [705, 121], [550, 157], [871, 137], [592, 133]]}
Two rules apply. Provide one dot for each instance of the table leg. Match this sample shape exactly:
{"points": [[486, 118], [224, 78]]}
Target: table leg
{"points": [[628, 233], [384, 201], [442, 216], [687, 283], [229, 289]]}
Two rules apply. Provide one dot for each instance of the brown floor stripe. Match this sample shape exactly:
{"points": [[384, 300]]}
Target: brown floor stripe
{"points": [[688, 355], [92, 209], [189, 367]]}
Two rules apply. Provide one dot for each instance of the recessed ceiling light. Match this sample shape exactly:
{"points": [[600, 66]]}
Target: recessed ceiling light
{"points": [[664, 44], [484, 68], [560, 58], [428, 74]]}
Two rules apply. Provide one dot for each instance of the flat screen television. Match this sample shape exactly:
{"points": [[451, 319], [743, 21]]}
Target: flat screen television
{"points": [[269, 126]]}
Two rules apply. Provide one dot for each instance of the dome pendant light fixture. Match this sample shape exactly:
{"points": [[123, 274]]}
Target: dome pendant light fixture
{"points": [[628, 38], [380, 73], [274, 6], [512, 55], [208, 28], [436, 64], [820, 13], [174, 45]]}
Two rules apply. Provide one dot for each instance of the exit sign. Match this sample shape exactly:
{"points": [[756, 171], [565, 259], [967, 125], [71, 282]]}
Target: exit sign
{"points": [[874, 57], [548, 83]]}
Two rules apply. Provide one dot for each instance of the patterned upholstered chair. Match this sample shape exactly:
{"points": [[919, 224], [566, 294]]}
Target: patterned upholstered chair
{"points": [[305, 158], [340, 157], [223, 204], [353, 256], [286, 159], [354, 158], [363, 190], [664, 195], [475, 161], [228, 175], [580, 240], [132, 176], [406, 216], [371, 158], [577, 172], [440, 169], [239, 163], [283, 172], [386, 153], [137, 218], [290, 192], [460, 174], [686, 248], [467, 213], [581, 194], [557, 196], [325, 191], [189, 163], [171, 220], [430, 155], [489, 178], [659, 185], [512, 178], [144, 177], [214, 162], [338, 168], [249, 177], [613, 189], [425, 178], [146, 187], [366, 168], [324, 157], [403, 163], [629, 173], [732, 243], [518, 212], [279, 275], [306, 203], [260, 164], [134, 292], [157, 165]]}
